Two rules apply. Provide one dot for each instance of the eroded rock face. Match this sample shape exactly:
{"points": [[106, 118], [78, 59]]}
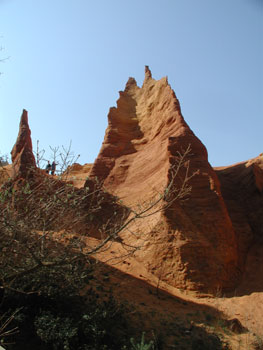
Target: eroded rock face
{"points": [[77, 174], [22, 153], [193, 243], [241, 186]]}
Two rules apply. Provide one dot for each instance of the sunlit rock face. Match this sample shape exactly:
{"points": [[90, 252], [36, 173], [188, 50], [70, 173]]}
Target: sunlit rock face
{"points": [[192, 244], [22, 153]]}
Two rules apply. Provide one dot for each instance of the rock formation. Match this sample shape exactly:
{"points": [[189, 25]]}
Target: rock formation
{"points": [[77, 174], [22, 153], [193, 243], [241, 186], [201, 240]]}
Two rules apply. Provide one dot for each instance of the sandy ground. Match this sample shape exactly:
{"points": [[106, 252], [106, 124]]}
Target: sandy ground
{"points": [[132, 283]]}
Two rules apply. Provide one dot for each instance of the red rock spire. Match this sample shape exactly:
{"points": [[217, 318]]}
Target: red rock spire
{"points": [[22, 153]]}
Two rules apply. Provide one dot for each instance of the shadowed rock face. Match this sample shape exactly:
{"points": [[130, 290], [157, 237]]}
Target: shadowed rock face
{"points": [[242, 190], [192, 244], [22, 153]]}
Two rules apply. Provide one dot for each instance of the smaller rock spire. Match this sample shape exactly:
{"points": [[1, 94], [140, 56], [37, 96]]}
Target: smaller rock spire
{"points": [[131, 83], [22, 153], [148, 73]]}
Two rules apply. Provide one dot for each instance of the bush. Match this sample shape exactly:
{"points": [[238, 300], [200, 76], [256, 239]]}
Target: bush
{"points": [[70, 322], [142, 345]]}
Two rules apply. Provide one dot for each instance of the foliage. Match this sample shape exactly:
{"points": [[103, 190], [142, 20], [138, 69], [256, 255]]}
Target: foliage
{"points": [[4, 160], [142, 345], [46, 261], [44, 222], [62, 156], [58, 320], [39, 225]]}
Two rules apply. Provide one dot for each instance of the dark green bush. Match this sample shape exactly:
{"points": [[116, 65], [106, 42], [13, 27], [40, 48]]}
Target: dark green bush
{"points": [[69, 322]]}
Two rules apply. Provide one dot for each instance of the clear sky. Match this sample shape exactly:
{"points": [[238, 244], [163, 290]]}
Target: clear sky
{"points": [[69, 58]]}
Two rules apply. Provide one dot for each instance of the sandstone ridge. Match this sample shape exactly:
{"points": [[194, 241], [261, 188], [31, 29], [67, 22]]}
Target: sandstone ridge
{"points": [[194, 244], [210, 242], [199, 242]]}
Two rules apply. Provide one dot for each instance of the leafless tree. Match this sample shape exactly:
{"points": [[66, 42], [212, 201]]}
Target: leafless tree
{"points": [[63, 157], [4, 59], [45, 226]]}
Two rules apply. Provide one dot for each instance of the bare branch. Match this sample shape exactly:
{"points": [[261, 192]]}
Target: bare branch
{"points": [[46, 223]]}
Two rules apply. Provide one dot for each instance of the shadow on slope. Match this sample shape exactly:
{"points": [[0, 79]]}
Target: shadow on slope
{"points": [[176, 322]]}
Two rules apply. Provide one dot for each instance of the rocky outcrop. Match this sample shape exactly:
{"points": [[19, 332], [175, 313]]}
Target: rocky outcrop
{"points": [[257, 166], [192, 244], [22, 153], [241, 186], [77, 174]]}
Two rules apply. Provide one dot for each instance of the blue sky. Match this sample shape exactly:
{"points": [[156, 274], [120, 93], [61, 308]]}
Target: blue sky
{"points": [[69, 58]]}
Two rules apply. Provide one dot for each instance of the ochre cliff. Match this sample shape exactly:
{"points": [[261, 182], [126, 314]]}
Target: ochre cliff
{"points": [[241, 186], [199, 241], [193, 243], [77, 174]]}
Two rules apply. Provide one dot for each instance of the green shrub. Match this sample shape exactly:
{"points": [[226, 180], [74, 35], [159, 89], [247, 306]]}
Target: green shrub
{"points": [[55, 330], [67, 323], [142, 345]]}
